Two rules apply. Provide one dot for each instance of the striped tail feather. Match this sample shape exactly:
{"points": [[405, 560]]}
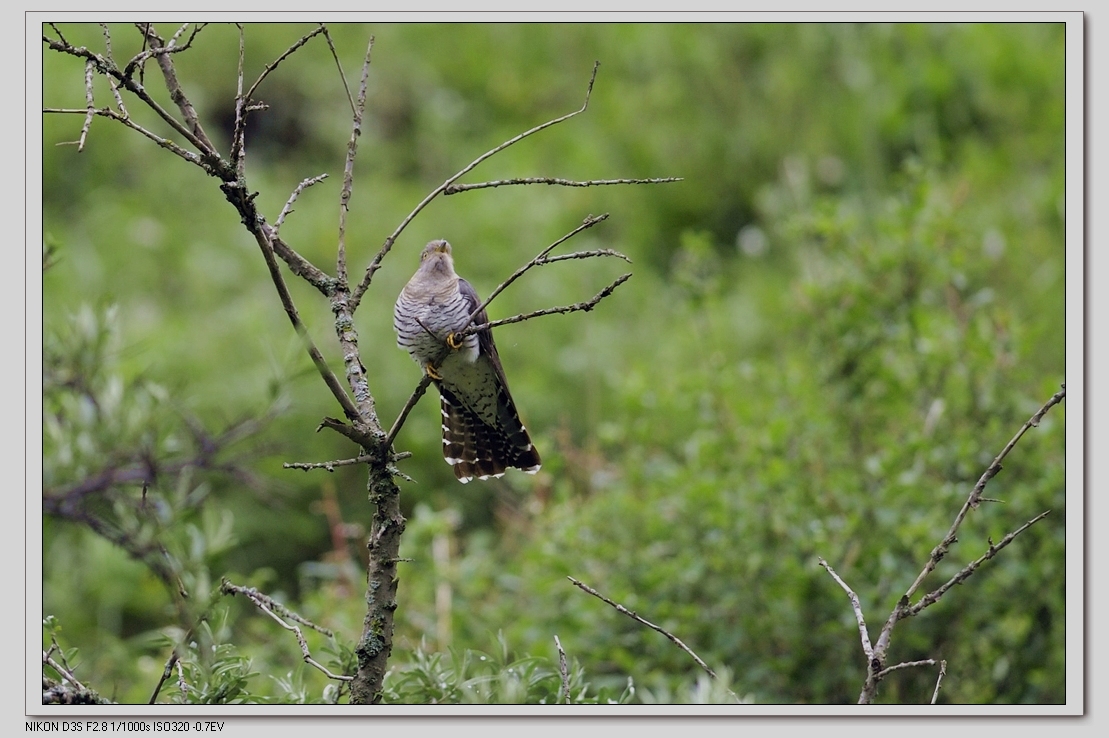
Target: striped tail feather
{"points": [[476, 449]]}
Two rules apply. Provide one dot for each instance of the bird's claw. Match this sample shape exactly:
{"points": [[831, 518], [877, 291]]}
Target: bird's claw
{"points": [[431, 372], [454, 340]]}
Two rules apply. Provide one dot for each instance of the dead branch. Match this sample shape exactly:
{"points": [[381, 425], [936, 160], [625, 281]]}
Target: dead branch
{"points": [[562, 310], [375, 264], [563, 670], [673, 638], [939, 680], [454, 189], [868, 649], [877, 653], [279, 613], [293, 198]]}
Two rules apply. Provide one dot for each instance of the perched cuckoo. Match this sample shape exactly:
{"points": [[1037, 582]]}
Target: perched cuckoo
{"points": [[482, 432]]}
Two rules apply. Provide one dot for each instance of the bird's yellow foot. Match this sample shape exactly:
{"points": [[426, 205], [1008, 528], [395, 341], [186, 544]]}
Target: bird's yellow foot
{"points": [[431, 372], [454, 340]]}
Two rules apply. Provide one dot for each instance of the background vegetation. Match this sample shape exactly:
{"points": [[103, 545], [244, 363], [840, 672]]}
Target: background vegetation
{"points": [[838, 318]]}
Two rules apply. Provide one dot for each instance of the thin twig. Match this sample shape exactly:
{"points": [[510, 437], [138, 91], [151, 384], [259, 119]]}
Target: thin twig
{"points": [[454, 189], [279, 612], [329, 465], [584, 255], [356, 297], [59, 32], [906, 665], [621, 609], [293, 198], [564, 671], [65, 673], [867, 648], [969, 569], [939, 679], [123, 118], [348, 169], [328, 376], [972, 502], [163, 55], [338, 64], [273, 65], [90, 105], [586, 224], [417, 393], [114, 87], [576, 307], [238, 133], [107, 41]]}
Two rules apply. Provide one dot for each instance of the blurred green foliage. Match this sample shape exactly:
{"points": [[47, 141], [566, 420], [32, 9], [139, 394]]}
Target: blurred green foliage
{"points": [[843, 312]]}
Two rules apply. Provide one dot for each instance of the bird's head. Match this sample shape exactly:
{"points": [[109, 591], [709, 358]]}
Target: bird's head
{"points": [[436, 257]]}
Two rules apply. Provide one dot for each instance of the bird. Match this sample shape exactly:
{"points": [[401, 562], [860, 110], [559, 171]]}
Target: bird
{"points": [[482, 431]]}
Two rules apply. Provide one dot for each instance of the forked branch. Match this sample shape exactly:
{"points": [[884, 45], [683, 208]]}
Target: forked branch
{"points": [[876, 653]]}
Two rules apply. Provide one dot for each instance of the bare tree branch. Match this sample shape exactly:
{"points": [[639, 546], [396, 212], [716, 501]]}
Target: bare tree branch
{"points": [[126, 120], [417, 393], [339, 66], [329, 378], [673, 638], [293, 198], [564, 671], [877, 654], [279, 612], [964, 574], [288, 52], [238, 133], [341, 305], [348, 169], [376, 263], [588, 223], [208, 159], [939, 680], [162, 53], [906, 665], [867, 648], [454, 189], [576, 307], [90, 105], [329, 465], [975, 495]]}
